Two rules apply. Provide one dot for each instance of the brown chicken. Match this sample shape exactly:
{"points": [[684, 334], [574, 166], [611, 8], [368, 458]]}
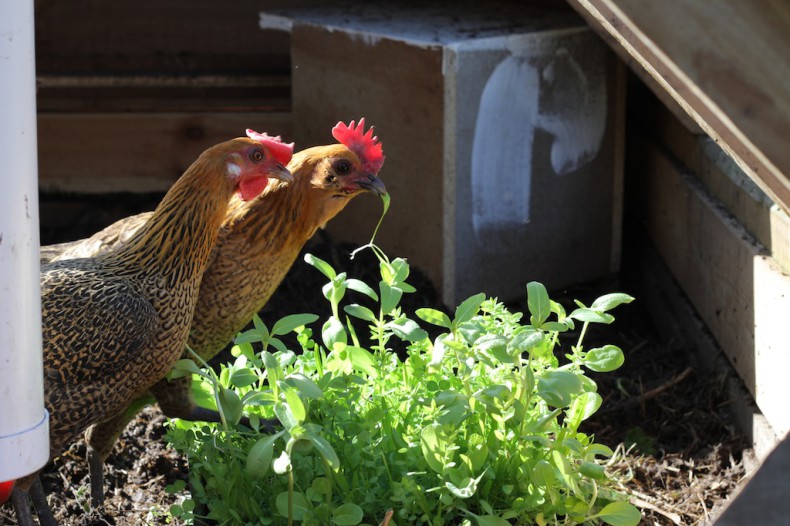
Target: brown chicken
{"points": [[257, 245], [115, 323]]}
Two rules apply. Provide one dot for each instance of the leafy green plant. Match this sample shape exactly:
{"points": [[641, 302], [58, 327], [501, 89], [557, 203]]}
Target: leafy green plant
{"points": [[477, 426]]}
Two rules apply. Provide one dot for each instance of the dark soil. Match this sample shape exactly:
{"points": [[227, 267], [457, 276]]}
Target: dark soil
{"points": [[683, 455]]}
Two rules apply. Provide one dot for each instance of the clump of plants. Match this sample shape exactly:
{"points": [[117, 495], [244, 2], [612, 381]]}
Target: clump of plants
{"points": [[476, 426]]}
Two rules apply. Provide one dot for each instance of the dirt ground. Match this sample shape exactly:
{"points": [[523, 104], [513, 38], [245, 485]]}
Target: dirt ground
{"points": [[684, 455]]}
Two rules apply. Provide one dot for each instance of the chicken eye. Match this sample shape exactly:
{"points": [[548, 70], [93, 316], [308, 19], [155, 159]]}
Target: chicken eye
{"points": [[342, 167], [256, 155]]}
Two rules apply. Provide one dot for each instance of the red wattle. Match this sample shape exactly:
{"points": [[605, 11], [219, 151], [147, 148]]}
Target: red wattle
{"points": [[251, 187]]}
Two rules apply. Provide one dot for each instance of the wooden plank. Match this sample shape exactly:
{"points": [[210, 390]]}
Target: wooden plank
{"points": [[769, 224], [169, 93], [135, 152], [724, 62], [737, 288], [669, 308]]}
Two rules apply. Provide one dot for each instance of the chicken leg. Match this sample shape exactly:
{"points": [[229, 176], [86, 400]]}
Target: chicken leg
{"points": [[31, 487]]}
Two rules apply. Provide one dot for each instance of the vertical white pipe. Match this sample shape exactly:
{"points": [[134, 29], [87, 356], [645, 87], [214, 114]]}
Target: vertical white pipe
{"points": [[24, 423]]}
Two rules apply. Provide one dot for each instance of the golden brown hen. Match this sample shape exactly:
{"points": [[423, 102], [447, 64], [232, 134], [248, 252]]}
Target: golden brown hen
{"points": [[257, 245], [115, 323]]}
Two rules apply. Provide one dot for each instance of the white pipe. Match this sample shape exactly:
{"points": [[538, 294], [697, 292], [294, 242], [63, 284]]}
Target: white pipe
{"points": [[24, 423]]}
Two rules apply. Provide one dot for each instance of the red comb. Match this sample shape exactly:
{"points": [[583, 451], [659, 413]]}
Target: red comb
{"points": [[281, 151], [366, 146]]}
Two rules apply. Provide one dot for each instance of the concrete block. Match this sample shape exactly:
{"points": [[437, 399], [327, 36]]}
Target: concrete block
{"points": [[502, 130]]}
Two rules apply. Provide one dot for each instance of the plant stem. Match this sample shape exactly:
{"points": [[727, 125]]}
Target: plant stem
{"points": [[581, 334], [290, 497], [215, 383]]}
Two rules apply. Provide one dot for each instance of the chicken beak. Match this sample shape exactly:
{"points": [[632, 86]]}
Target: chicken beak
{"points": [[282, 173], [371, 183]]}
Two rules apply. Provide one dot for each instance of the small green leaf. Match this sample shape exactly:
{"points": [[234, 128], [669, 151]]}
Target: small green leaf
{"points": [[592, 470], [250, 336], [285, 415], [259, 459], [439, 349], [243, 377], [591, 316], [476, 452], [296, 405], [361, 312], [231, 405], [609, 301], [387, 272], [326, 450], [619, 514], [538, 303], [401, 269], [362, 287], [260, 326], [491, 520], [543, 475], [262, 398], [407, 329], [555, 326], [289, 323], [273, 368], [558, 388], [278, 344], [468, 308], [390, 297], [583, 408], [333, 332], [324, 267], [362, 360], [406, 288], [566, 472], [524, 341], [434, 317], [185, 367], [301, 506], [494, 346], [598, 450], [348, 514], [604, 359], [305, 385], [322, 486], [176, 486], [203, 393], [432, 445]]}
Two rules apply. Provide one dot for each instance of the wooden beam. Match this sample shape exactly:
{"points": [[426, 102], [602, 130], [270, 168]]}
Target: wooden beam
{"points": [[164, 93], [726, 182], [724, 63], [739, 291], [135, 152]]}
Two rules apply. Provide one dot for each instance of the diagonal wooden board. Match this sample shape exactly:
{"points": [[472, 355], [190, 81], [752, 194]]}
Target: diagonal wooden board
{"points": [[725, 63]]}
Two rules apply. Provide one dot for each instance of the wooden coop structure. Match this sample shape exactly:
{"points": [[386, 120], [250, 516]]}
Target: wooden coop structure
{"points": [[517, 138]]}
